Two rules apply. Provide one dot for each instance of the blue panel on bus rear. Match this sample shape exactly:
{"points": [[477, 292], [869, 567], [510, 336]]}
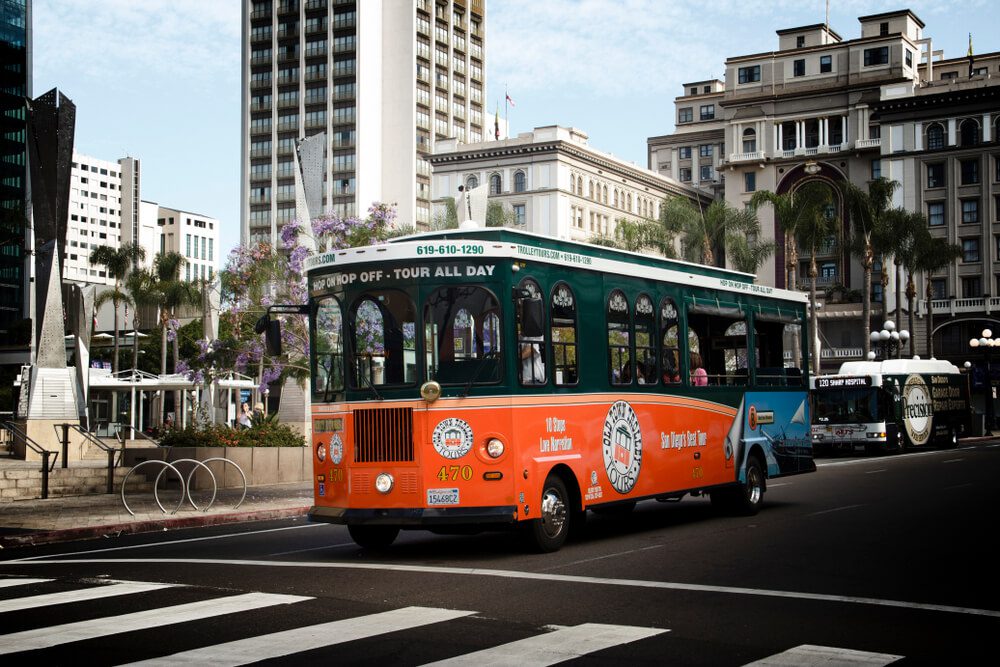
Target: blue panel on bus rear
{"points": [[778, 423]]}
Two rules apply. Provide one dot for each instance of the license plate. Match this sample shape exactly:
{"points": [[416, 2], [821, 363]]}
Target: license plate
{"points": [[442, 496]]}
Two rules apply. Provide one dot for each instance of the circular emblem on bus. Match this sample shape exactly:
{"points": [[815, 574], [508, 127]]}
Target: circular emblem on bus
{"points": [[918, 410], [753, 417], [452, 438], [336, 449], [621, 443]]}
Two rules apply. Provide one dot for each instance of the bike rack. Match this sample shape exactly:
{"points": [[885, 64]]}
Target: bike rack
{"points": [[185, 483]]}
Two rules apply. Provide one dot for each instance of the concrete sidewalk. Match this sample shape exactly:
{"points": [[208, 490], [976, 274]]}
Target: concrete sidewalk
{"points": [[30, 522]]}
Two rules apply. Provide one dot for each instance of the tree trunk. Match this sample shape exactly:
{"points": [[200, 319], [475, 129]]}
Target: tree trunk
{"points": [[899, 294], [866, 299], [911, 298], [114, 361], [930, 319], [813, 315]]}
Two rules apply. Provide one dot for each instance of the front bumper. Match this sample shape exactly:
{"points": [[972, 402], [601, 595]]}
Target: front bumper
{"points": [[416, 516]]}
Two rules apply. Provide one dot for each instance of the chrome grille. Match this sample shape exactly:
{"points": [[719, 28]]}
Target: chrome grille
{"points": [[383, 435]]}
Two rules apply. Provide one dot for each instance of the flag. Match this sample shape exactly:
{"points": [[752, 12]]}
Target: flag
{"points": [[496, 124], [510, 101]]}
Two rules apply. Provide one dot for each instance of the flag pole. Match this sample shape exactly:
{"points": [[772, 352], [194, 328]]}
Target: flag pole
{"points": [[506, 110]]}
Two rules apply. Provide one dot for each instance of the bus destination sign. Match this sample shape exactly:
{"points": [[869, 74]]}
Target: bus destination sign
{"points": [[842, 382]]}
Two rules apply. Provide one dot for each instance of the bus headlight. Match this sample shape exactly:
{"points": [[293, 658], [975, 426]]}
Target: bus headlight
{"points": [[430, 391], [494, 448], [321, 451], [383, 483]]}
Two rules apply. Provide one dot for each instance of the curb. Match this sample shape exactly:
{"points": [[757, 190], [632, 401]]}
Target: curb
{"points": [[148, 526]]}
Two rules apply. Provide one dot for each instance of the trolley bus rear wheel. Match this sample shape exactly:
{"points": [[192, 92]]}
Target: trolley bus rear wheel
{"points": [[745, 498], [373, 537], [548, 532]]}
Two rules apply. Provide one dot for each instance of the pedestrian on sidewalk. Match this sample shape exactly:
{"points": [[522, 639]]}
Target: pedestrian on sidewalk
{"points": [[244, 418]]}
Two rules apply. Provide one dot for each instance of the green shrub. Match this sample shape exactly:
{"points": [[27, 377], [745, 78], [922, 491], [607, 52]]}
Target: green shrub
{"points": [[265, 433]]}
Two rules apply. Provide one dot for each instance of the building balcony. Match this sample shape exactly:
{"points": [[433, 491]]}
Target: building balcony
{"points": [[315, 76], [982, 304], [315, 51], [287, 79], [755, 156], [260, 106], [260, 60], [260, 152], [868, 143], [288, 126], [261, 14], [315, 4], [344, 21], [315, 28], [288, 103]]}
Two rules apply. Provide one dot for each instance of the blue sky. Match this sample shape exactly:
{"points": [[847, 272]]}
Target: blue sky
{"points": [[151, 83]]}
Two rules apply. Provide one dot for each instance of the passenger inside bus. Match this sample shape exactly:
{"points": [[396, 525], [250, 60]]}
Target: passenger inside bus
{"points": [[699, 376], [532, 365]]}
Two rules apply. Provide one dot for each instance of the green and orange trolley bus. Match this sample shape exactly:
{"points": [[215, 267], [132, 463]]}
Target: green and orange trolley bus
{"points": [[478, 378]]}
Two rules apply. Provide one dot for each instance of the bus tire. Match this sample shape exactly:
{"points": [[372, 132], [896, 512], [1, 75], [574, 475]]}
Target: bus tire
{"points": [[749, 495], [549, 532], [373, 537]]}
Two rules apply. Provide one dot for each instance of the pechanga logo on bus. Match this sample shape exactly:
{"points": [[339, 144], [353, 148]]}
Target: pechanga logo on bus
{"points": [[452, 438], [918, 411], [622, 446], [336, 449]]}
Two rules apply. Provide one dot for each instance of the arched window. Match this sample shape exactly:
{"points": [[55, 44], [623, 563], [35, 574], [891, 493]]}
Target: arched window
{"points": [[579, 185], [604, 194], [383, 327], [969, 132], [619, 356], [496, 184], [935, 137], [531, 343], [670, 353], [519, 182], [590, 190], [616, 198], [629, 209], [645, 340], [563, 334], [749, 140], [471, 182], [328, 375], [461, 333]]}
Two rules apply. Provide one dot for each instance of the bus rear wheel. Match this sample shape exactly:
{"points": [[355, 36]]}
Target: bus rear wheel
{"points": [[373, 537], [549, 532], [744, 499]]}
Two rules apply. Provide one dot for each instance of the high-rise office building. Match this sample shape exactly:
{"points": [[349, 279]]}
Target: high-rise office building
{"points": [[383, 79], [15, 88]]}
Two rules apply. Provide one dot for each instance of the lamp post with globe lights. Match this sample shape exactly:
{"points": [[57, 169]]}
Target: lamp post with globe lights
{"points": [[986, 343], [888, 342]]}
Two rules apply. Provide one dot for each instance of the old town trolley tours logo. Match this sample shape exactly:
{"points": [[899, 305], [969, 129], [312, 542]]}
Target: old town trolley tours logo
{"points": [[622, 446], [452, 438], [918, 412]]}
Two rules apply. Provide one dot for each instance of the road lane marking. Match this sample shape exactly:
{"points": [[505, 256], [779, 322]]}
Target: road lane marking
{"points": [[325, 546], [93, 593], [527, 576], [836, 509], [554, 647], [953, 461], [872, 472], [809, 655], [591, 560], [169, 542], [6, 583], [55, 635], [289, 642]]}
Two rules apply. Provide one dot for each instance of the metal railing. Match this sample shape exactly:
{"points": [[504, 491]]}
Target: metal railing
{"points": [[19, 434], [94, 440]]}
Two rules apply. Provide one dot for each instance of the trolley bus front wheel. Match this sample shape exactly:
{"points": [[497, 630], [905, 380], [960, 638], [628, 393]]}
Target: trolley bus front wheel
{"points": [[548, 532], [373, 537]]}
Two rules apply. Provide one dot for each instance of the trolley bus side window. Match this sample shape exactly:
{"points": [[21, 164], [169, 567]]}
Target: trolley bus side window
{"points": [[645, 341], [563, 334], [670, 359], [777, 340], [462, 335], [328, 374], [383, 338], [530, 333], [619, 339], [722, 337]]}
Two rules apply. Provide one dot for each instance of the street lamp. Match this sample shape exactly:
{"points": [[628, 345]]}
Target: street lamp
{"points": [[986, 343], [888, 341]]}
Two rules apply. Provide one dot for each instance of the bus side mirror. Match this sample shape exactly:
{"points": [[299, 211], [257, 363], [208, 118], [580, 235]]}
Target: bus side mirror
{"points": [[272, 334], [531, 318]]}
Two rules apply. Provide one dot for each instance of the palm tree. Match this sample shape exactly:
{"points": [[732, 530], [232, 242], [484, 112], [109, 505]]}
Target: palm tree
{"points": [[933, 254], [792, 210], [907, 228], [144, 290], [870, 232], [746, 252], [813, 231], [704, 233], [118, 262]]}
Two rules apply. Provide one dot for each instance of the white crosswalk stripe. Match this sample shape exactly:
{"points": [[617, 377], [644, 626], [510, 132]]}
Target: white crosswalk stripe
{"points": [[94, 593], [7, 583], [101, 627], [280, 644], [554, 647], [809, 655]]}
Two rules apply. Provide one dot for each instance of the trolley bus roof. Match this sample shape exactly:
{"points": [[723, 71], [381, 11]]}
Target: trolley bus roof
{"points": [[502, 243]]}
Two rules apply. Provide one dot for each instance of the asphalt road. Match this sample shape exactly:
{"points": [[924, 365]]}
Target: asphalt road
{"points": [[869, 561]]}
